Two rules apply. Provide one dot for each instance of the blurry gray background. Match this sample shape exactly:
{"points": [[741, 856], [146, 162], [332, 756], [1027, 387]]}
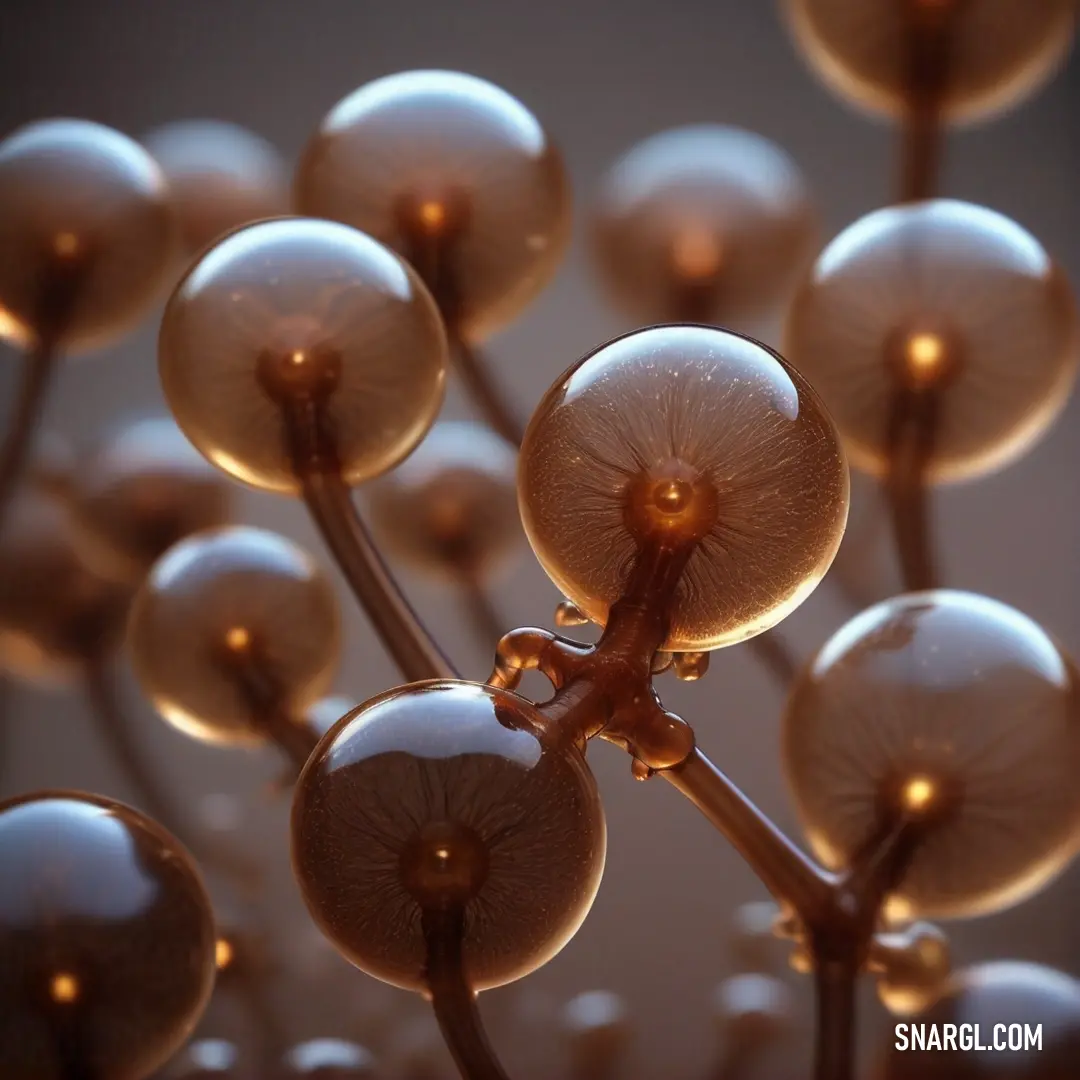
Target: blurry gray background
{"points": [[601, 75]]}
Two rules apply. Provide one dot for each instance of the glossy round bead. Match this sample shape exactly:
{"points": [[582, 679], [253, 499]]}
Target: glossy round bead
{"points": [[753, 1008], [145, 489], [450, 509], [106, 940], [596, 1026], [690, 411], [328, 1059], [221, 176], [914, 967], [522, 832], [301, 313], [206, 1059], [704, 223], [946, 297], [84, 211], [224, 596], [57, 613], [999, 51], [1013, 995], [956, 706], [446, 161]]}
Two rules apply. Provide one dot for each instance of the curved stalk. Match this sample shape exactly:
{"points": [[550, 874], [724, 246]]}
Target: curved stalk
{"points": [[39, 366], [485, 620], [834, 1041], [453, 999], [490, 401], [407, 640]]}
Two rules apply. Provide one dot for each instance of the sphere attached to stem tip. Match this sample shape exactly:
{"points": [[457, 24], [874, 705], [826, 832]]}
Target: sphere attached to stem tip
{"points": [[1007, 1001], [685, 437], [106, 940], [87, 233], [999, 52], [221, 176], [57, 612], [144, 490], [225, 600], [958, 714], [450, 509], [941, 297], [708, 223], [445, 163], [914, 966], [447, 795], [308, 316]]}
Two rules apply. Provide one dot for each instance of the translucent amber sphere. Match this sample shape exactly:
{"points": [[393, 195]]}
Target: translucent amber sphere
{"points": [[945, 297], [952, 706], [999, 52], [302, 314], [106, 940], [441, 161], [87, 233], [221, 176], [229, 600], [1003, 999], [450, 509], [57, 613], [686, 426], [706, 223], [145, 489], [447, 793]]}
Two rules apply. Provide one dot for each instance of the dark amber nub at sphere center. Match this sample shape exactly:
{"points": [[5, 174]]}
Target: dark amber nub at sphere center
{"points": [[672, 503], [445, 865], [924, 358], [301, 374]]}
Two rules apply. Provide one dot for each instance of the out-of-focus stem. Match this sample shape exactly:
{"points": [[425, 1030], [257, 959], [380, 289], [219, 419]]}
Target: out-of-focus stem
{"points": [[486, 622], [834, 1043], [38, 367], [480, 384]]}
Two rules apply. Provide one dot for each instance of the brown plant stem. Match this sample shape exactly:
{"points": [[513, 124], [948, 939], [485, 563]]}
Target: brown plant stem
{"points": [[772, 651], [492, 403], [791, 876], [834, 1036], [453, 1000], [405, 637], [38, 368], [911, 434]]}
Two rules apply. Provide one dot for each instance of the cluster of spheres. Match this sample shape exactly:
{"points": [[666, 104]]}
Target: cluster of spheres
{"points": [[684, 486]]}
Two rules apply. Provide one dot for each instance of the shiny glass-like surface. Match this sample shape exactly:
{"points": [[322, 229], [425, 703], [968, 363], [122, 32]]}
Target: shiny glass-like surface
{"points": [[724, 411], [467, 757], [80, 205], [973, 703], [707, 223], [106, 940], [999, 52], [951, 297], [57, 613], [222, 600], [145, 489], [450, 509], [221, 176], [206, 1059], [1003, 993], [448, 158], [301, 313]]}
